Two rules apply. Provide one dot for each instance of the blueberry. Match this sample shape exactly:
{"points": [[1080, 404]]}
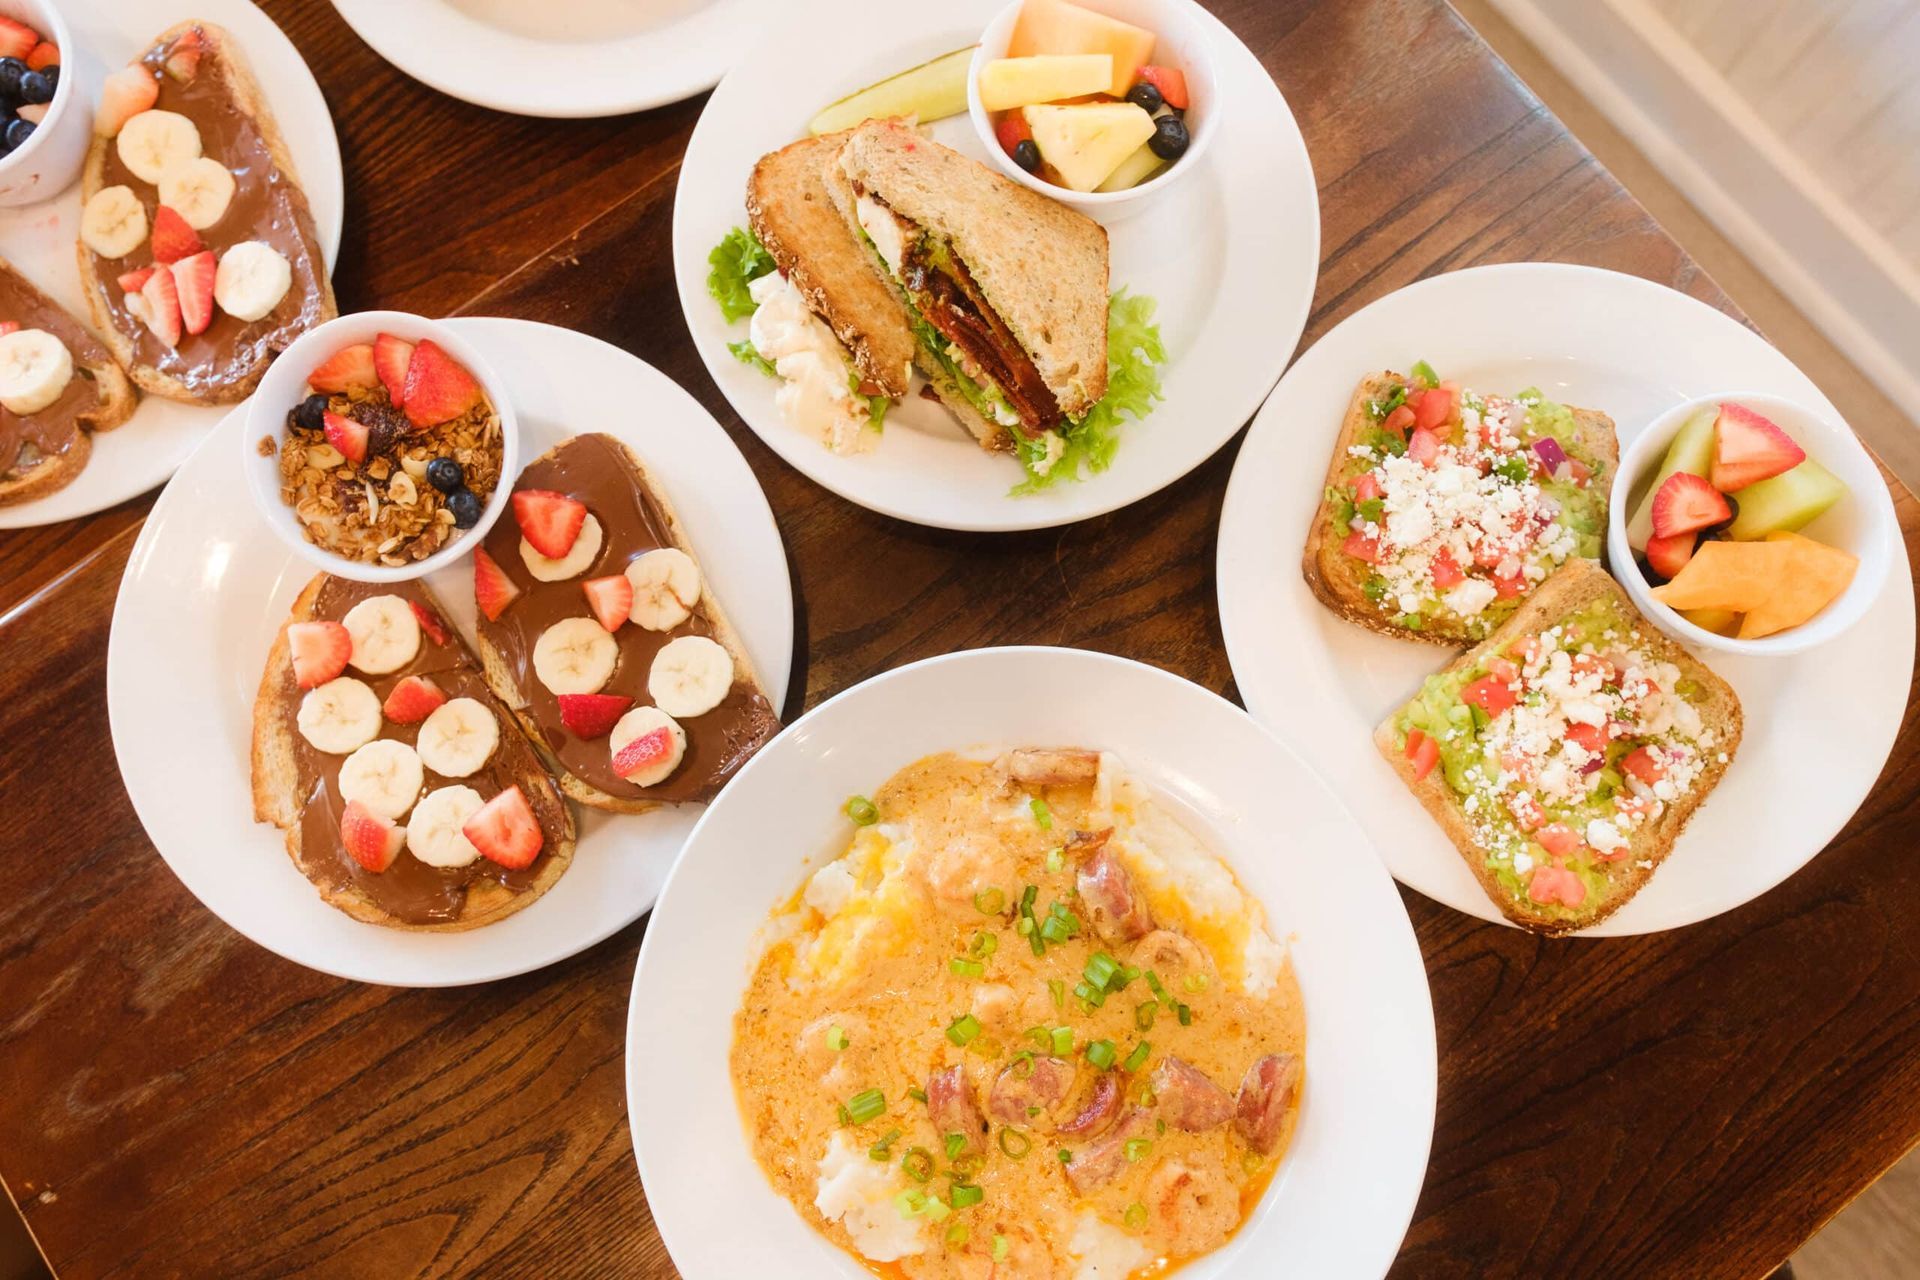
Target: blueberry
{"points": [[52, 74], [18, 131], [11, 69], [1146, 96], [1027, 155], [311, 414], [35, 88], [445, 475], [465, 505], [1169, 140]]}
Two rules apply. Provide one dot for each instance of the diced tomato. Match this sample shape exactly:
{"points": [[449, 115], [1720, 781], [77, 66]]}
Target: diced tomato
{"points": [[1398, 421], [1366, 487], [1558, 838], [1490, 695], [1363, 546], [1526, 811], [1487, 554], [1643, 764], [1423, 751], [1434, 410], [1445, 572], [1580, 472], [1592, 664], [1515, 765], [1525, 649], [1556, 884], [1508, 588], [1590, 738], [1634, 806], [1424, 447], [1505, 670], [1172, 84]]}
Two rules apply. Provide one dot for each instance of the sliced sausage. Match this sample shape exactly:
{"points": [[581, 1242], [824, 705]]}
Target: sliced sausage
{"points": [[1023, 1100], [1052, 766], [1099, 1110], [951, 1106], [1266, 1095], [1187, 1098], [1103, 1161], [1119, 912], [1082, 845]]}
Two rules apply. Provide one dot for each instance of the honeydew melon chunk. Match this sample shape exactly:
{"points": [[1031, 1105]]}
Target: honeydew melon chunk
{"points": [[931, 91], [1787, 503], [1006, 83], [1087, 142], [1133, 171], [1691, 451], [1054, 26]]}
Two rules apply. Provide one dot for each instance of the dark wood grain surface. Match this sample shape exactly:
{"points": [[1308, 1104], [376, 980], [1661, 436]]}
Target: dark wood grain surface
{"points": [[175, 1101]]}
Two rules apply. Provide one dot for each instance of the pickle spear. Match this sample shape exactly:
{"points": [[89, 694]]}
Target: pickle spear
{"points": [[931, 91]]}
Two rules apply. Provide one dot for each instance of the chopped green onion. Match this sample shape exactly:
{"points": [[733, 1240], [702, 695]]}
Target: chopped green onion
{"points": [[1137, 1149], [836, 1039], [845, 1117], [1138, 1057], [1042, 814], [958, 1233], [1092, 997], [916, 1095], [1185, 1014], [1144, 1013], [1024, 927], [1159, 1126], [1015, 1143], [968, 1165], [1153, 985], [965, 1195], [1058, 990], [1063, 1040], [1066, 1156], [1136, 1215], [989, 902], [1027, 896], [1125, 978], [1194, 982], [966, 968], [1022, 1064], [1040, 1036], [1055, 930], [866, 1105], [984, 944], [1101, 1053], [1100, 970], [936, 1209], [1056, 859], [1034, 940], [955, 1143], [861, 810], [917, 1164], [963, 1030], [910, 1203], [999, 1248], [883, 1149]]}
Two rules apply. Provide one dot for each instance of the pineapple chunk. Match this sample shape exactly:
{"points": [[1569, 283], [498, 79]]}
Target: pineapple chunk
{"points": [[1006, 83], [1086, 142], [1134, 170], [1054, 26]]}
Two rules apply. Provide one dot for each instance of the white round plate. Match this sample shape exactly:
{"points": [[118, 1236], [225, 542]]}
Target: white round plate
{"points": [[207, 588], [1230, 256], [572, 59], [40, 240], [1345, 1194], [1818, 725]]}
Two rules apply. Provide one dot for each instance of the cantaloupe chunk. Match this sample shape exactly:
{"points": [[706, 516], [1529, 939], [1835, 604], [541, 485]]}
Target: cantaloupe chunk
{"points": [[1054, 26], [1087, 143], [1722, 622], [1740, 576], [1815, 577], [1006, 83]]}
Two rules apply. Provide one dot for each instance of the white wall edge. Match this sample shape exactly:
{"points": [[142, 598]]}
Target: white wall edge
{"points": [[1849, 281]]}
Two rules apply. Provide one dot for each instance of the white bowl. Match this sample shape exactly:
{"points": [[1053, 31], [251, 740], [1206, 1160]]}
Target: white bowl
{"points": [[1341, 1201], [1862, 523], [51, 160], [285, 385], [1181, 28]]}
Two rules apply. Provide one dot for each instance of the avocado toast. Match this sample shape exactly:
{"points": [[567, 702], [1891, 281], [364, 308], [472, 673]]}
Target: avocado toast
{"points": [[1563, 755], [1444, 508]]}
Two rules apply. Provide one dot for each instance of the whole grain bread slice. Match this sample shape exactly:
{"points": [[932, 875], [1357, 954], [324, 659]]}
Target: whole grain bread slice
{"points": [[790, 209], [1338, 580], [277, 794], [1575, 585]]}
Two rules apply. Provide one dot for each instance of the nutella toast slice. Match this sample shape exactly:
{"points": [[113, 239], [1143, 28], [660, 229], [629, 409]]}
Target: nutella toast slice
{"points": [[374, 728], [197, 245], [597, 625]]}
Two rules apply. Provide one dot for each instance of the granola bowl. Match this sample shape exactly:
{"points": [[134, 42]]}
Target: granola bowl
{"points": [[349, 440]]}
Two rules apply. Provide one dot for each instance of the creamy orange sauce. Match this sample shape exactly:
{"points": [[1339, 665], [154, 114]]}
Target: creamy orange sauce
{"points": [[858, 991]]}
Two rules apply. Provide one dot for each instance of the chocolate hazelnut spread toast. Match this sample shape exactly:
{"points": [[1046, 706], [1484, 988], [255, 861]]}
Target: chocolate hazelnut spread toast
{"points": [[596, 625], [197, 245], [58, 384], [406, 791]]}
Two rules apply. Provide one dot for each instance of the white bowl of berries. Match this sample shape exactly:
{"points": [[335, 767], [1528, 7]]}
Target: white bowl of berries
{"points": [[380, 446], [44, 121]]}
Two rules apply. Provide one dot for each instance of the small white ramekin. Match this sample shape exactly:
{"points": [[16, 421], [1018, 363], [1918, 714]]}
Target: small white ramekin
{"points": [[51, 160]]}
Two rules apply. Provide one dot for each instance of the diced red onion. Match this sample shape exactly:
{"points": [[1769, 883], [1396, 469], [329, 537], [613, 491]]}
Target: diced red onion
{"points": [[1552, 456]]}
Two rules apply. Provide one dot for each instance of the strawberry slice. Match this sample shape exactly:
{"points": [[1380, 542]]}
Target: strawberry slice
{"points": [[373, 841], [437, 388], [1172, 84], [1749, 448], [592, 715], [134, 281], [45, 54], [193, 280], [505, 830], [347, 435], [646, 753], [183, 60], [1668, 556], [611, 599], [391, 356], [347, 368], [17, 39], [124, 95], [160, 299], [413, 700], [429, 622], [492, 590], [319, 651], [1012, 129], [1686, 503], [173, 239], [550, 521]]}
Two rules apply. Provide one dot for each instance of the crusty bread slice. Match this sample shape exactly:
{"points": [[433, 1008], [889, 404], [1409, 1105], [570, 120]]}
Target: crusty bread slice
{"points": [[224, 59], [1041, 265], [1338, 579], [277, 794], [117, 400], [789, 208], [1575, 585], [500, 671]]}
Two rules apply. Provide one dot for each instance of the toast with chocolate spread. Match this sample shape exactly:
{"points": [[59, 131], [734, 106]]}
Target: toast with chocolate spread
{"points": [[71, 385]]}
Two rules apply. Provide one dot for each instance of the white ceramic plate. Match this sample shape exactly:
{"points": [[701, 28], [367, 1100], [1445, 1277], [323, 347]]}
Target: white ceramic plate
{"points": [[207, 587], [1818, 725], [1230, 255], [40, 239], [573, 58], [1341, 1201]]}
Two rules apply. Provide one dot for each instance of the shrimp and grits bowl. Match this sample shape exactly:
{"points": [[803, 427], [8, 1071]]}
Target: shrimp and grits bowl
{"points": [[1015, 1008]]}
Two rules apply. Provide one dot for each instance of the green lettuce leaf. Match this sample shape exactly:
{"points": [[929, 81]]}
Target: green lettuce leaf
{"points": [[1134, 356], [736, 262], [746, 353]]}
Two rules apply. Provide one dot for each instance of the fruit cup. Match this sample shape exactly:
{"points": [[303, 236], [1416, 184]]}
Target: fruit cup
{"points": [[49, 161], [1861, 522]]}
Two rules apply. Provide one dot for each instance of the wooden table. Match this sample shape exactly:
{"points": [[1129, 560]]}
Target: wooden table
{"points": [[176, 1101]]}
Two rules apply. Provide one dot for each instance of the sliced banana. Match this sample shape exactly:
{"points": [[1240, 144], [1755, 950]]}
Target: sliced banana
{"points": [[199, 190], [339, 716], [690, 677], [576, 562], [666, 586], [35, 367], [638, 723], [384, 775], [458, 737], [386, 634], [251, 280], [114, 223], [434, 834], [154, 141], [575, 655]]}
